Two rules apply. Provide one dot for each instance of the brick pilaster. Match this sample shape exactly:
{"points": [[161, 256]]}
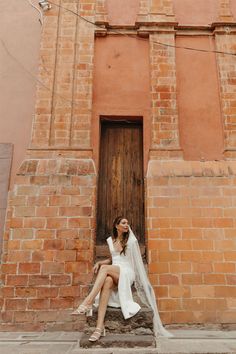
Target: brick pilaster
{"points": [[41, 128], [225, 38], [101, 12], [83, 79], [163, 91], [64, 101]]}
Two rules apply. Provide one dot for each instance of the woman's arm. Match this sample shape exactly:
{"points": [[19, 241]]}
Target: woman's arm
{"points": [[99, 263]]}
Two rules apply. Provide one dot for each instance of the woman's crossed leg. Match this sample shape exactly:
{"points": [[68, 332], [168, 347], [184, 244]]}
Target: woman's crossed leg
{"points": [[111, 272]]}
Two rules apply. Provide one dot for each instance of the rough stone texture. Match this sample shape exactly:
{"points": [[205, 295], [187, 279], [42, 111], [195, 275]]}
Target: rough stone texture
{"points": [[140, 324], [119, 340]]}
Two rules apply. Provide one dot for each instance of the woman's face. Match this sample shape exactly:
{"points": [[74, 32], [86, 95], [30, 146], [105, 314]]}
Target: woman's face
{"points": [[123, 225]]}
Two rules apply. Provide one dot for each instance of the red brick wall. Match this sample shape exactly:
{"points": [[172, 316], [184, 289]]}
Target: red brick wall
{"points": [[165, 133], [49, 240], [191, 209], [225, 41]]}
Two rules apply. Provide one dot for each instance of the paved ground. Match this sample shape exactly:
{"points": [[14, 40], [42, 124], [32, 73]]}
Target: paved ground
{"points": [[184, 341]]}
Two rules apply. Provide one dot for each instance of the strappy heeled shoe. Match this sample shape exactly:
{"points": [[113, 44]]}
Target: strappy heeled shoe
{"points": [[84, 310], [97, 334]]}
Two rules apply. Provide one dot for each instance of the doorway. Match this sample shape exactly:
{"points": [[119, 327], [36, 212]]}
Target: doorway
{"points": [[120, 185]]}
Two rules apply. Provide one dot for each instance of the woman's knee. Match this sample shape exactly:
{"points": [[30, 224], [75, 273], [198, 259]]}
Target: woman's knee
{"points": [[108, 284]]}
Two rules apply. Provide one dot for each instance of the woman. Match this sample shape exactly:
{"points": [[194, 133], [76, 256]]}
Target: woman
{"points": [[115, 277]]}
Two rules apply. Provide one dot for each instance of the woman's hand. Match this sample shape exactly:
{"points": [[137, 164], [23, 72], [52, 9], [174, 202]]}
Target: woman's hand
{"points": [[96, 267]]}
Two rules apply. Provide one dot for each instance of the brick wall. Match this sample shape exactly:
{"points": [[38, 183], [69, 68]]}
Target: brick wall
{"points": [[165, 127], [48, 248], [49, 237], [48, 244], [64, 99], [225, 41], [191, 210]]}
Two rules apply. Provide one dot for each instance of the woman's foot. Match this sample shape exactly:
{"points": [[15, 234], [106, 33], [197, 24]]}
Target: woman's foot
{"points": [[84, 310], [97, 334]]}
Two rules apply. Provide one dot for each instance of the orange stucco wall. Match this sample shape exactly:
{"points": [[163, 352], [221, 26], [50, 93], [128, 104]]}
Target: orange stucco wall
{"points": [[233, 7], [122, 11], [19, 35], [118, 90], [199, 100], [192, 12]]}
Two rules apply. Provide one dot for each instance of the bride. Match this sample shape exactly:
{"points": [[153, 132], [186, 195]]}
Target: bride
{"points": [[115, 277]]}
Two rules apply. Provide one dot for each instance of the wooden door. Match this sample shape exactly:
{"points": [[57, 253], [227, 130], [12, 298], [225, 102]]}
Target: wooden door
{"points": [[120, 187]]}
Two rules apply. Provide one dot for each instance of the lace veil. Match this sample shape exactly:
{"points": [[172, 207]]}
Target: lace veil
{"points": [[142, 284]]}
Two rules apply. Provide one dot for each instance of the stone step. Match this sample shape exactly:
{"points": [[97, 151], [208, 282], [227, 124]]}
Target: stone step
{"points": [[119, 341], [140, 324], [64, 321]]}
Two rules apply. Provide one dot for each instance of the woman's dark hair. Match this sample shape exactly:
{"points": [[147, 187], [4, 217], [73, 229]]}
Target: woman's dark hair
{"points": [[125, 235]]}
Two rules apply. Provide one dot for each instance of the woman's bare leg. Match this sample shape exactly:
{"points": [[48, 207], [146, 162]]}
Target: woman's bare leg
{"points": [[105, 270], [103, 300]]}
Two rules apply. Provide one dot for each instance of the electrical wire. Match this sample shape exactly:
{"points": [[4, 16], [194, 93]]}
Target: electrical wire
{"points": [[32, 75], [40, 12], [94, 24], [135, 36]]}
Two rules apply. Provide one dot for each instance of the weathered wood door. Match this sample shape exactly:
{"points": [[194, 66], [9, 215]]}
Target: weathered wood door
{"points": [[120, 187]]}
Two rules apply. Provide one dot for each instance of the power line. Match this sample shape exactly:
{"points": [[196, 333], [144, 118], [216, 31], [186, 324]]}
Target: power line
{"points": [[39, 11], [30, 74], [139, 38], [99, 26]]}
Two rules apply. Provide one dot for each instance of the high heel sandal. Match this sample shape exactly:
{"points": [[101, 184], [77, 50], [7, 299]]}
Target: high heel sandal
{"points": [[84, 310], [97, 334]]}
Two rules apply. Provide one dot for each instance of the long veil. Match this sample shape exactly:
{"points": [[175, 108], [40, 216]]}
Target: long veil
{"points": [[143, 286]]}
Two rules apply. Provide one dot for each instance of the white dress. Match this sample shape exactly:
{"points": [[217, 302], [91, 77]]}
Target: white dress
{"points": [[122, 297], [132, 270]]}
